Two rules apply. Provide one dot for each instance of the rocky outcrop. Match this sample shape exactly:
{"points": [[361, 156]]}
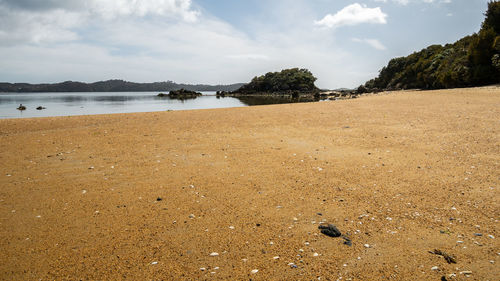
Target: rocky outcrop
{"points": [[184, 94]]}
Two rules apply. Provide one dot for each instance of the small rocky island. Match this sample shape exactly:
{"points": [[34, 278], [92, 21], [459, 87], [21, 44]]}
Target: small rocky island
{"points": [[294, 84], [181, 94]]}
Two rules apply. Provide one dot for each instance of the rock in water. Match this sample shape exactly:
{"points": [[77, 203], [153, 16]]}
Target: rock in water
{"points": [[330, 230]]}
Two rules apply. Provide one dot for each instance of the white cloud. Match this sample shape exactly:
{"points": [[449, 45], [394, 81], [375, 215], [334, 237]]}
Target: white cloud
{"points": [[402, 2], [115, 8], [353, 14], [26, 22], [372, 42], [33, 27]]}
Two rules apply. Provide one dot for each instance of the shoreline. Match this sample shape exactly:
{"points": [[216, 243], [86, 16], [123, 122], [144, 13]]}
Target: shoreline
{"points": [[152, 195], [246, 98]]}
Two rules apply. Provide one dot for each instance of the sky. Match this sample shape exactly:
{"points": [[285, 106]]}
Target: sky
{"points": [[343, 43]]}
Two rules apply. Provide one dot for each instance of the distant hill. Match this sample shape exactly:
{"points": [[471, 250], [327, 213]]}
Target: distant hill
{"points": [[471, 61], [112, 86]]}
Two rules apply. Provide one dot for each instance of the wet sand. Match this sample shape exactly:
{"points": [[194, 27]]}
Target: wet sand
{"points": [[149, 196]]}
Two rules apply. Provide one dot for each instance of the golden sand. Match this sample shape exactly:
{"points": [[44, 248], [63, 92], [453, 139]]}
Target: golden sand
{"points": [[401, 174]]}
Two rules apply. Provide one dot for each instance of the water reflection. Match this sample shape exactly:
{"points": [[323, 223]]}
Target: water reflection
{"points": [[176, 99], [66, 104], [255, 100]]}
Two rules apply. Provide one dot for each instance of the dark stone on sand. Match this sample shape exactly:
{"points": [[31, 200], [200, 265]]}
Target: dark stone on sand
{"points": [[347, 241], [330, 230], [448, 258], [158, 199]]}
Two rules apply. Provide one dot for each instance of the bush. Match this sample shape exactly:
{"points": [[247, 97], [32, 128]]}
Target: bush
{"points": [[287, 80]]}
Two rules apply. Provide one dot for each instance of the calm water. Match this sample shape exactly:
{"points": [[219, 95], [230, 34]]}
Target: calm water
{"points": [[64, 104]]}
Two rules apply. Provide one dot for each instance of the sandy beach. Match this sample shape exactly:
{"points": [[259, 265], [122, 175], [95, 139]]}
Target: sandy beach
{"points": [[238, 194]]}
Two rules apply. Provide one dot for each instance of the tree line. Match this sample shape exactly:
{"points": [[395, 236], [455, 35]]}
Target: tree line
{"points": [[471, 61], [112, 86]]}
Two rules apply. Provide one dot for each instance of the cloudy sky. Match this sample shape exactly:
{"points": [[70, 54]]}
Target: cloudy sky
{"points": [[344, 43]]}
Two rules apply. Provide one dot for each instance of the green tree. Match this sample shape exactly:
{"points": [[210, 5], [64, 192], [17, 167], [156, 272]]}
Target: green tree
{"points": [[471, 61], [287, 80], [492, 19], [481, 53]]}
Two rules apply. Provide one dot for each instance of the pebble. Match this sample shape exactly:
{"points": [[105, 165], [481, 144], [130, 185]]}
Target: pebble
{"points": [[301, 250], [254, 271], [330, 230], [191, 216], [203, 269], [214, 254], [467, 272], [155, 262], [91, 167], [434, 268], [295, 219], [276, 257], [84, 191], [315, 254], [367, 245], [491, 236], [478, 234], [307, 243], [231, 227]]}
